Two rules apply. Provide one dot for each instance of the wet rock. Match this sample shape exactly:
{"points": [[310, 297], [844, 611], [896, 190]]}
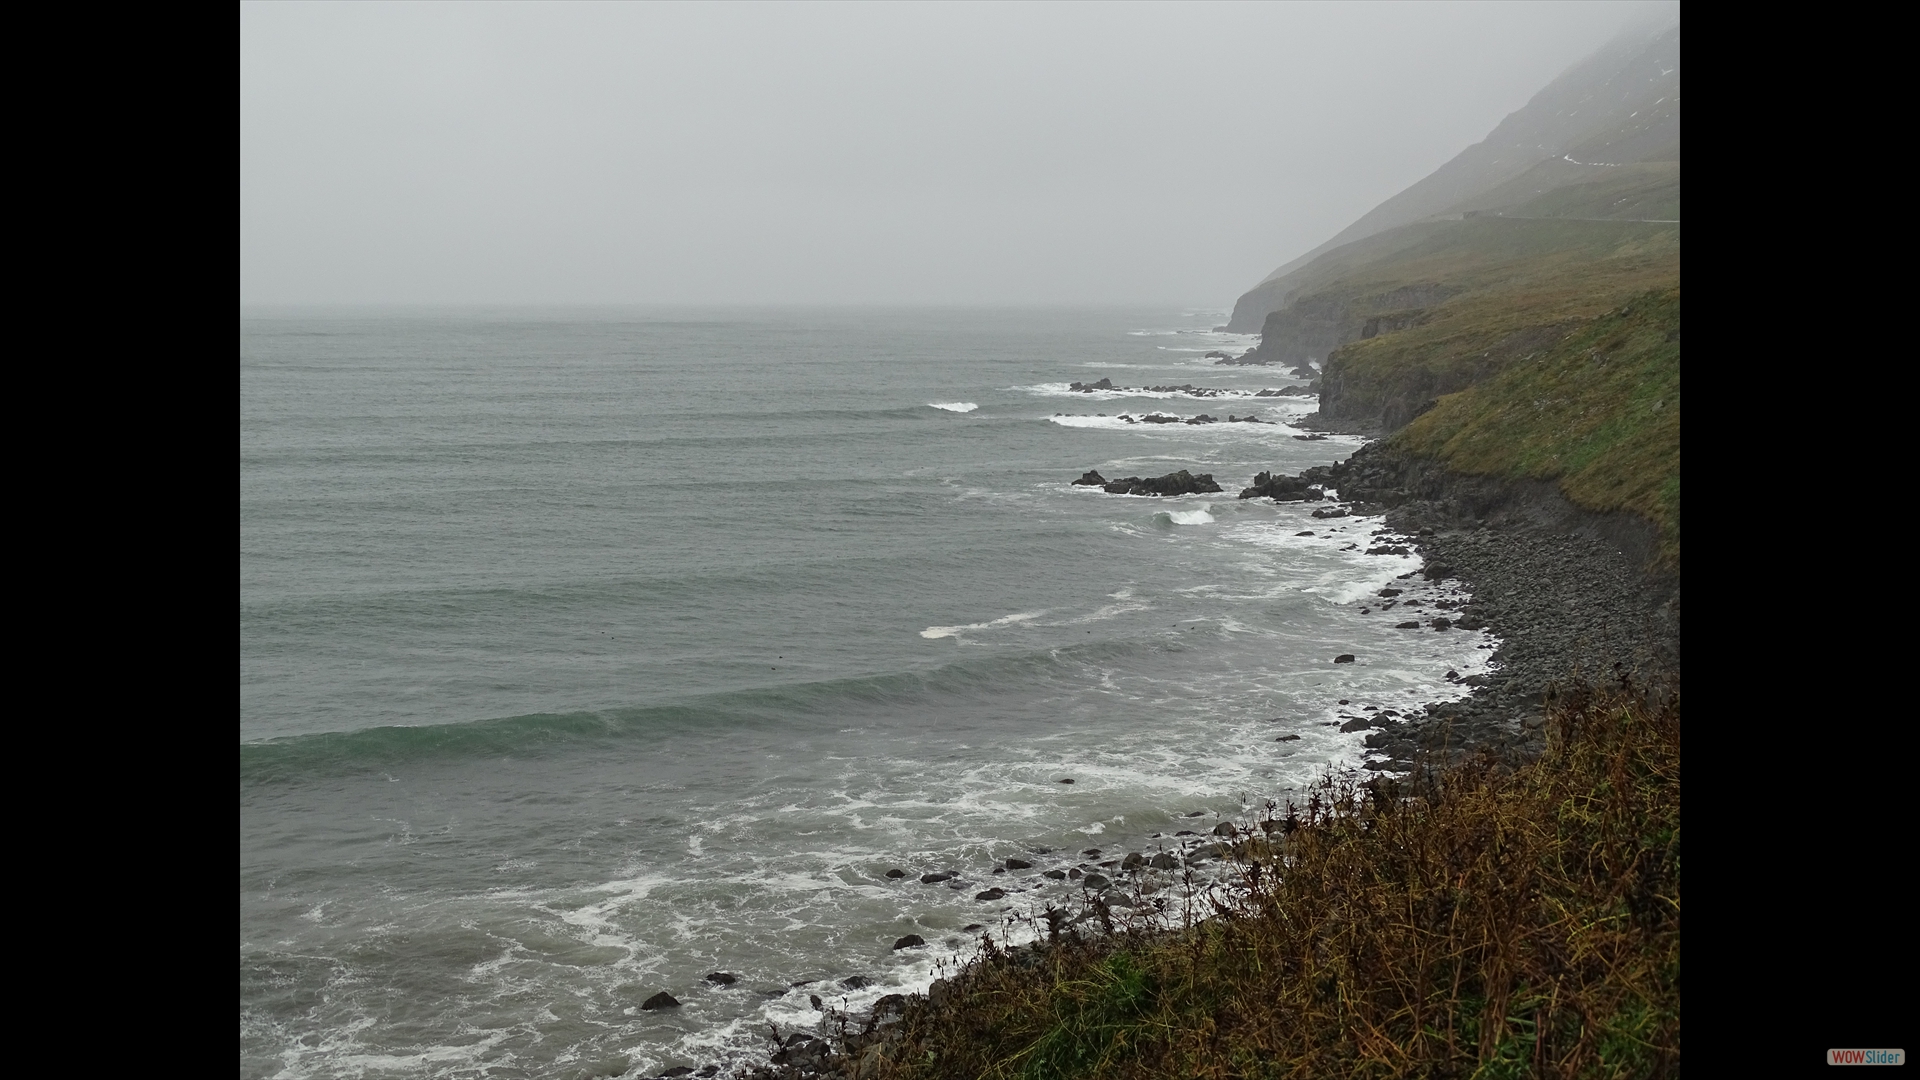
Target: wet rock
{"points": [[890, 1005], [1057, 875], [1358, 723], [1075, 874], [1443, 624], [896, 873], [1133, 861], [1119, 900], [1091, 478], [1095, 881], [1064, 780], [1332, 513], [911, 941], [814, 1000], [1164, 861], [1225, 828], [1283, 488], [722, 978], [1092, 853], [1388, 549], [1390, 592], [991, 894], [661, 1000], [855, 982], [1088, 388], [1315, 437], [936, 876], [1018, 864], [1288, 738], [1406, 626], [1174, 483], [679, 1070], [1344, 658]]}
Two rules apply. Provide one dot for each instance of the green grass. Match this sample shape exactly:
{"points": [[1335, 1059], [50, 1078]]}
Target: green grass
{"points": [[1491, 922], [1598, 410]]}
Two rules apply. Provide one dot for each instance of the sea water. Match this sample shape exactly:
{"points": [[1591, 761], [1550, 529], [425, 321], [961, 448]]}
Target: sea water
{"points": [[586, 653]]}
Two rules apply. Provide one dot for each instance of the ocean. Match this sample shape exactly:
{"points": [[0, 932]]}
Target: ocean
{"points": [[585, 653]]}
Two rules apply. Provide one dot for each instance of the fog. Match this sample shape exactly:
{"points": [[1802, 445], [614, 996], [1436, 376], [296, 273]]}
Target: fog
{"points": [[846, 154]]}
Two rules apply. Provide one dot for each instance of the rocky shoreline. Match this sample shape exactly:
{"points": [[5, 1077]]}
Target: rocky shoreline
{"points": [[1567, 595], [1571, 595]]}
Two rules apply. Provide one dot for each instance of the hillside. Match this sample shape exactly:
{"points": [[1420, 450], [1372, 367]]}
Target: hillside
{"points": [[1608, 129]]}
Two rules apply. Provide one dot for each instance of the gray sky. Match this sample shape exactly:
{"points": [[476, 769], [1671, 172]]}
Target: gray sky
{"points": [[851, 153]]}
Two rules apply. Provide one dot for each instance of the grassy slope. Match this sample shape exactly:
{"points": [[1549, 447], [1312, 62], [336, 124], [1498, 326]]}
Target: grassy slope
{"points": [[1598, 410], [1560, 361], [1498, 924]]}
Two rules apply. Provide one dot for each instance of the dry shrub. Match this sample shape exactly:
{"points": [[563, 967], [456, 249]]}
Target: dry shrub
{"points": [[1486, 921]]}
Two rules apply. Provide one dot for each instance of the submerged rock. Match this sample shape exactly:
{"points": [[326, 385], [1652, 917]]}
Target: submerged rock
{"points": [[721, 978], [661, 1000], [911, 941]]}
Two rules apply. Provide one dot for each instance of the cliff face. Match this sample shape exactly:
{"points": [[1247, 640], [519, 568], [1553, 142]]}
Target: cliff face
{"points": [[1620, 107]]}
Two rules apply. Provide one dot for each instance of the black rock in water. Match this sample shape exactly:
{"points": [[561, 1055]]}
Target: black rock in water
{"points": [[855, 982], [1344, 658], [1091, 478], [1088, 388], [991, 894], [1174, 483], [911, 941], [936, 876], [1018, 864], [896, 873], [1283, 489], [661, 1000], [721, 978]]}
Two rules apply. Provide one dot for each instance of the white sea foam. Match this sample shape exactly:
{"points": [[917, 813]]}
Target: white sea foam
{"points": [[953, 406], [956, 631], [1186, 517]]}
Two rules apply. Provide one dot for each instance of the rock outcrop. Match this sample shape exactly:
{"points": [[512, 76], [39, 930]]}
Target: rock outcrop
{"points": [[1174, 483]]}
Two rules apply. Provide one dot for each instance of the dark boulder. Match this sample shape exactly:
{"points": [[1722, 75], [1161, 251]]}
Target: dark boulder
{"points": [[1334, 512], [1443, 624], [855, 982], [1088, 388], [721, 978], [891, 1005], [1018, 864], [1174, 483], [1282, 489], [661, 1000], [1288, 738], [936, 876], [1095, 881], [1091, 478], [1344, 658], [911, 941], [1387, 549], [1436, 571], [1133, 861], [1406, 626], [1056, 875], [1358, 723], [991, 894], [896, 873], [1225, 828], [1164, 861]]}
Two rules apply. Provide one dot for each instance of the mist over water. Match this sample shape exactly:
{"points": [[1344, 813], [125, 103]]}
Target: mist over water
{"points": [[585, 654]]}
